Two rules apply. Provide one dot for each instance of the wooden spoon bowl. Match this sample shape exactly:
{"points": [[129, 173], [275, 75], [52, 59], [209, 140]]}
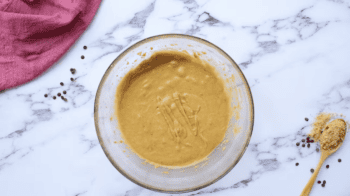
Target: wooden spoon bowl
{"points": [[324, 155]]}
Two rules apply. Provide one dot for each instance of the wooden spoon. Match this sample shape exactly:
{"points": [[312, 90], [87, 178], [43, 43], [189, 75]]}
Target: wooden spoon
{"points": [[324, 155]]}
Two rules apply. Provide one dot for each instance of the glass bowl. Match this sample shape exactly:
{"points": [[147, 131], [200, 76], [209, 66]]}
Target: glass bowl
{"points": [[177, 180]]}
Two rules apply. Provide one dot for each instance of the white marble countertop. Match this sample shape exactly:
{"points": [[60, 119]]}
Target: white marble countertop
{"points": [[294, 54]]}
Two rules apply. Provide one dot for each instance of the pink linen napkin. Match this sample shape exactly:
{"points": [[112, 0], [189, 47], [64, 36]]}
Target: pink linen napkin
{"points": [[34, 34]]}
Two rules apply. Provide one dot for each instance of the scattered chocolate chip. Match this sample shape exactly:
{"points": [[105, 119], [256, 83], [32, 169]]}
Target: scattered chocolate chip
{"points": [[85, 47], [54, 97], [61, 84], [72, 70], [324, 182], [339, 160], [306, 119], [319, 182], [82, 57], [62, 98], [323, 185], [45, 95], [58, 94], [65, 99], [303, 140], [327, 166], [308, 145], [303, 145], [296, 164], [312, 170], [317, 150], [72, 79], [64, 92], [298, 143]]}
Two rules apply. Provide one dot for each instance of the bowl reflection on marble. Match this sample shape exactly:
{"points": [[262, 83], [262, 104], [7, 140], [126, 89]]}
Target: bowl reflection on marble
{"points": [[177, 180]]}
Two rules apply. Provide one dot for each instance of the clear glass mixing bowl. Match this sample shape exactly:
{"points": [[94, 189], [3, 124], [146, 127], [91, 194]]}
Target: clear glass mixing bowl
{"points": [[180, 180]]}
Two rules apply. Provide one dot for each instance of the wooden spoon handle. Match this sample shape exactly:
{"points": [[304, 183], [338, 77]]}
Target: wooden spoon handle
{"points": [[312, 180]]}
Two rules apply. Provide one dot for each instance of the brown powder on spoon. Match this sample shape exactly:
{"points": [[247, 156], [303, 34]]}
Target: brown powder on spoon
{"points": [[333, 135], [329, 135], [319, 124]]}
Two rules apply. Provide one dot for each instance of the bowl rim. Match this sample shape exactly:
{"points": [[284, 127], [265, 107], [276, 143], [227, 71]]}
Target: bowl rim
{"points": [[106, 74]]}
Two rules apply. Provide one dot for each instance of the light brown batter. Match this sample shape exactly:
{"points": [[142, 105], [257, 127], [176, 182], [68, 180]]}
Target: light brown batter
{"points": [[172, 109]]}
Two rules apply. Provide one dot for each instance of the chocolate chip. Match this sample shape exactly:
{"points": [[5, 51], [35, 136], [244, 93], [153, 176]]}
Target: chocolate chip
{"points": [[64, 92], [303, 145], [324, 182], [303, 140], [312, 170], [82, 57], [296, 164], [65, 99], [319, 182], [339, 160], [306, 119], [298, 143], [54, 97], [72, 70], [45, 95], [61, 84], [327, 166], [62, 98], [72, 79], [323, 185], [85, 47], [308, 145], [58, 94]]}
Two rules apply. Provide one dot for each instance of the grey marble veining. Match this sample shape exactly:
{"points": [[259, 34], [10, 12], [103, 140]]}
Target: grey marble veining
{"points": [[295, 56]]}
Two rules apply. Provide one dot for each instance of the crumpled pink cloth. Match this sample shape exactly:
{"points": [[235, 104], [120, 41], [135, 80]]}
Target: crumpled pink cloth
{"points": [[34, 34]]}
